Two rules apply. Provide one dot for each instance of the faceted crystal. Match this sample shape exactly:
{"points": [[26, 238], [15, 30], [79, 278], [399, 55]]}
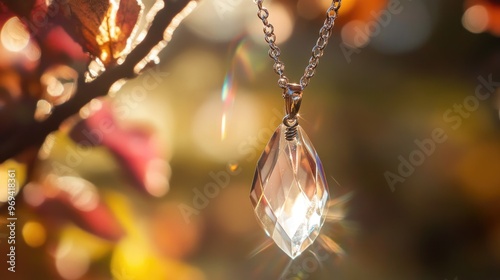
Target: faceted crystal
{"points": [[290, 192]]}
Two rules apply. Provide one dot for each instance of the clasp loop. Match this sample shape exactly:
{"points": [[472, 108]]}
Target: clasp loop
{"points": [[293, 98]]}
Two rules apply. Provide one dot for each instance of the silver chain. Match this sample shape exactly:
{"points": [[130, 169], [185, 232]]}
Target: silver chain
{"points": [[317, 51]]}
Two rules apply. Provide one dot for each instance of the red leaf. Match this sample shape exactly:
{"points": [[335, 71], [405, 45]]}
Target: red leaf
{"points": [[136, 148], [58, 42], [71, 198]]}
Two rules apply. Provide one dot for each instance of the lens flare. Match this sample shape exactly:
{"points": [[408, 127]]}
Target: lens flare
{"points": [[228, 96], [240, 61], [243, 60]]}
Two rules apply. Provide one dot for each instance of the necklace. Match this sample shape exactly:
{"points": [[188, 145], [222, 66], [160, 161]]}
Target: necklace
{"points": [[289, 190]]}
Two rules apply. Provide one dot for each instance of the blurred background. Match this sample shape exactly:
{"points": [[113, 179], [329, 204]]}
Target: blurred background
{"points": [[153, 181]]}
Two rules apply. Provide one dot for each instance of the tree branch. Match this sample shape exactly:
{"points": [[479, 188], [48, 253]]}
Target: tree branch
{"points": [[33, 133]]}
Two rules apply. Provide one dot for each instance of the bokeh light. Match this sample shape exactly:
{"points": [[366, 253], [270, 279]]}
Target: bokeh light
{"points": [[60, 83], [20, 177], [34, 233], [156, 179], [482, 16], [403, 32], [172, 236], [353, 34], [190, 69], [33, 194], [93, 106], [206, 131], [14, 35], [475, 19], [346, 7], [83, 194], [43, 110], [72, 260], [132, 259], [220, 21], [280, 16], [198, 115]]}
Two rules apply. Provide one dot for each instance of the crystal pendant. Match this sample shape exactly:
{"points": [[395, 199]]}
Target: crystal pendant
{"points": [[289, 192]]}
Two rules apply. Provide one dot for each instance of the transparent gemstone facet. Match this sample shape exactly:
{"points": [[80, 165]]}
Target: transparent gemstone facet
{"points": [[290, 192]]}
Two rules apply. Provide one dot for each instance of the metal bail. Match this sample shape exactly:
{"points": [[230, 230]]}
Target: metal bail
{"points": [[293, 98]]}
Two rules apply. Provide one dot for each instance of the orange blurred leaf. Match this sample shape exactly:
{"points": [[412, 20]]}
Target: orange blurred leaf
{"points": [[104, 27]]}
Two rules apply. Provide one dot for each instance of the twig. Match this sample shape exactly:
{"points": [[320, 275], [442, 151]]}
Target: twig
{"points": [[33, 133]]}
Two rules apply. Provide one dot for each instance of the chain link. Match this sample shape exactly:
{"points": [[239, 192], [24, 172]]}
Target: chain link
{"points": [[317, 51]]}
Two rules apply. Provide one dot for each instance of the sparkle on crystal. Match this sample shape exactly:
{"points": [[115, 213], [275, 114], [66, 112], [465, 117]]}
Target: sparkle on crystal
{"points": [[290, 192]]}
